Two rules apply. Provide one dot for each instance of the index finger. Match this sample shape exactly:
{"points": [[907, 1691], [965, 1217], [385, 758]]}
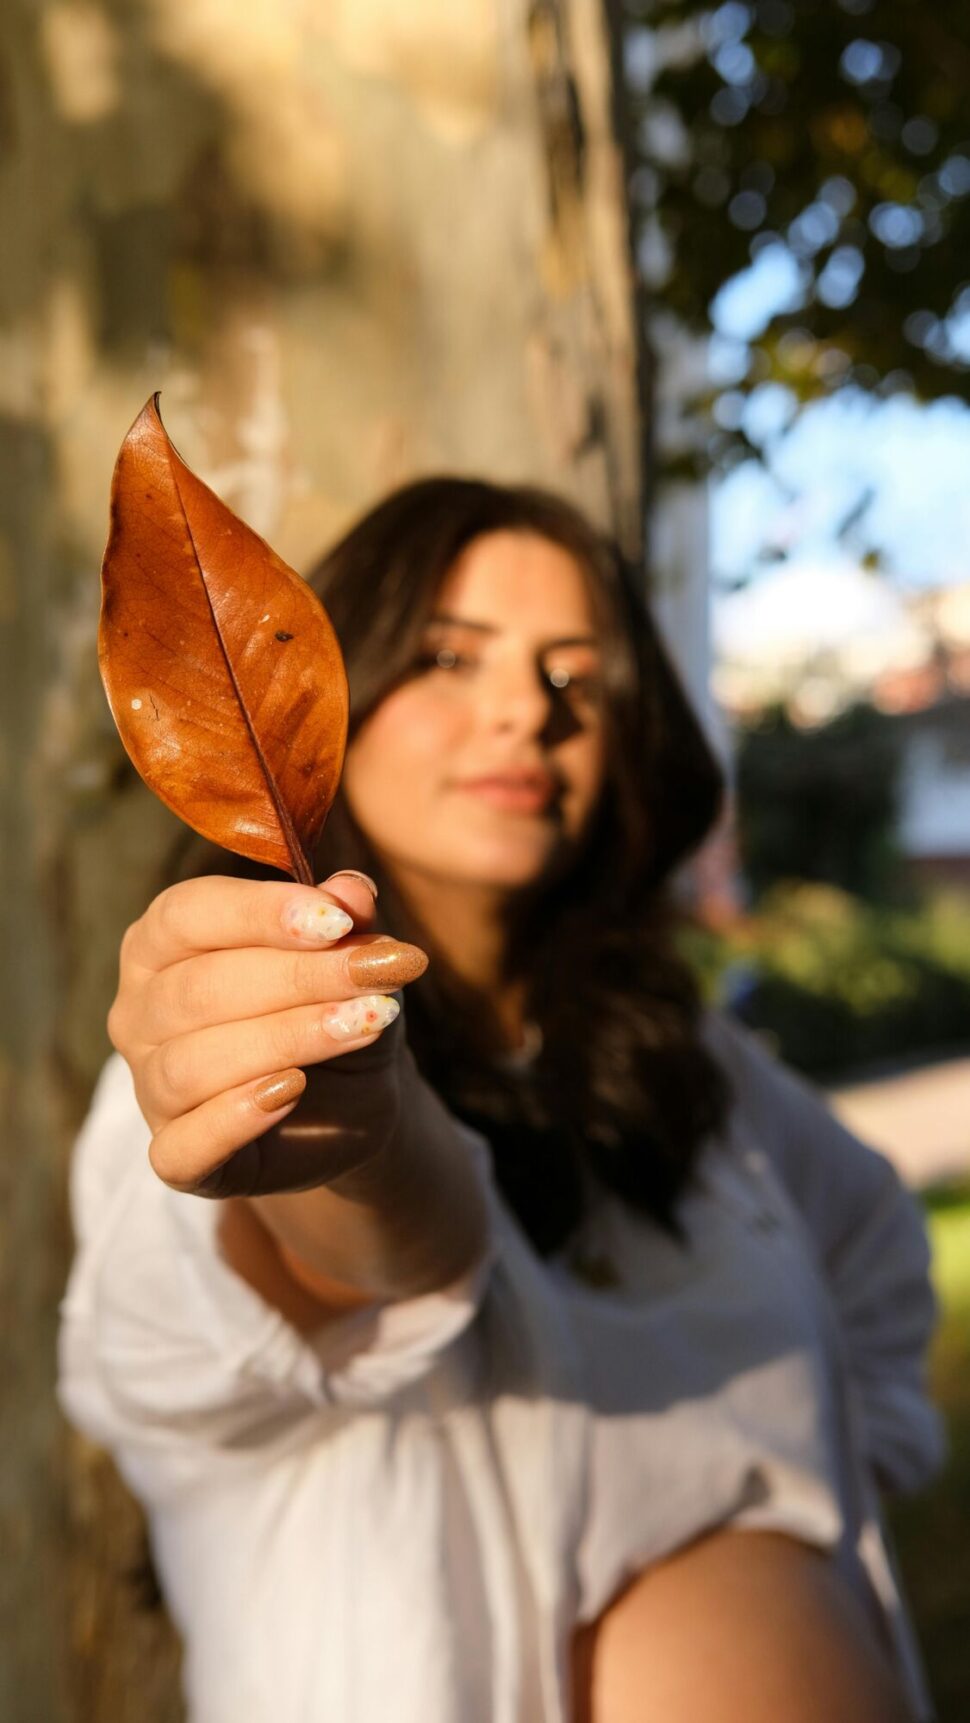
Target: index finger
{"points": [[217, 913]]}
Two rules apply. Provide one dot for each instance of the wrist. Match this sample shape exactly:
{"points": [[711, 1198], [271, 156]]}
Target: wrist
{"points": [[408, 1220]]}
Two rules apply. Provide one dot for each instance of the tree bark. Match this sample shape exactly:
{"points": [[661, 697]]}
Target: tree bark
{"points": [[351, 244]]}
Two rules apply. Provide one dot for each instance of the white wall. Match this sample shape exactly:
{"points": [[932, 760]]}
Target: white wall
{"points": [[934, 799]]}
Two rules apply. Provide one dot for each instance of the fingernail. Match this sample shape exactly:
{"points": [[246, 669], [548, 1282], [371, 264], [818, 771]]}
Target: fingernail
{"points": [[322, 921], [385, 965], [276, 1092], [364, 1016], [355, 873]]}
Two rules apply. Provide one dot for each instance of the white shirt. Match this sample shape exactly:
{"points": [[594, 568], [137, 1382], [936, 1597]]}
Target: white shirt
{"points": [[405, 1517]]}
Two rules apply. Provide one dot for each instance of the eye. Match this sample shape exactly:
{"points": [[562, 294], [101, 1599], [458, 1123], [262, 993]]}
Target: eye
{"points": [[441, 658], [577, 686]]}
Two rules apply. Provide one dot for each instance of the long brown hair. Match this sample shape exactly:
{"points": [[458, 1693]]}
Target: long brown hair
{"points": [[622, 1091]]}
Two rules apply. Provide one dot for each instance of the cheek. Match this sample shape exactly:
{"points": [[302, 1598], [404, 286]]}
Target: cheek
{"points": [[586, 767], [402, 750]]}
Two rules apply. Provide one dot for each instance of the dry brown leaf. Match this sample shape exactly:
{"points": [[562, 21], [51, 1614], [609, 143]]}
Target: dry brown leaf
{"points": [[221, 666]]}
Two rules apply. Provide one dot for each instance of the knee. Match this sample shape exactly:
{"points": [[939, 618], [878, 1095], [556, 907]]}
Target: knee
{"points": [[739, 1627]]}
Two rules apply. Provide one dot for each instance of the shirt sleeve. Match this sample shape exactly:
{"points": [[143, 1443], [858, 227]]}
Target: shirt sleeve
{"points": [[169, 1358], [870, 1240]]}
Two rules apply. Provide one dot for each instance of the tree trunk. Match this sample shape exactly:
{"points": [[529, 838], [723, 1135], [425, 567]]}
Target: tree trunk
{"points": [[351, 243]]}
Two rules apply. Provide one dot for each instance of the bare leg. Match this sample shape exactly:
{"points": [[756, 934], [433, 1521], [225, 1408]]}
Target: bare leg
{"points": [[740, 1627]]}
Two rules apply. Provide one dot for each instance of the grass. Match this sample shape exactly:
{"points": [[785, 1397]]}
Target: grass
{"points": [[931, 1531]]}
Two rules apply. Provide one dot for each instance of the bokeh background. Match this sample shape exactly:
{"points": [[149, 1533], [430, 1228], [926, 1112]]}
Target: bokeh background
{"points": [[704, 269]]}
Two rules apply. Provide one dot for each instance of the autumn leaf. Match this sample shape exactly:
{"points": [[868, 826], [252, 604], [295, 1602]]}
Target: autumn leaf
{"points": [[221, 666]]}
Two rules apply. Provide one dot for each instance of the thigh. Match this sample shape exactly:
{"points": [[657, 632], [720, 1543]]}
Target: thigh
{"points": [[740, 1627]]}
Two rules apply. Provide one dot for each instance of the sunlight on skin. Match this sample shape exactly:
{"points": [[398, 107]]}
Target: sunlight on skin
{"points": [[740, 1627], [489, 706]]}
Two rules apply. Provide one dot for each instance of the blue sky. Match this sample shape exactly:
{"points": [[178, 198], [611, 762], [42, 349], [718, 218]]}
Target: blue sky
{"points": [[912, 462]]}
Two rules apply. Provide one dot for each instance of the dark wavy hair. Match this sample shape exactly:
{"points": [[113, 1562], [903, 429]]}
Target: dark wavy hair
{"points": [[622, 1091]]}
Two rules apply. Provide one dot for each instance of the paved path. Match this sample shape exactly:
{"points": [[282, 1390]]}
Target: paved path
{"points": [[920, 1119]]}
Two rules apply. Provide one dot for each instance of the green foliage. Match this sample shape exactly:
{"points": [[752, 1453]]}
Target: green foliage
{"points": [[838, 129], [840, 984], [930, 1531], [820, 804]]}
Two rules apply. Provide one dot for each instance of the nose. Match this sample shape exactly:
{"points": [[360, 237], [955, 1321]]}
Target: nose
{"points": [[519, 700]]}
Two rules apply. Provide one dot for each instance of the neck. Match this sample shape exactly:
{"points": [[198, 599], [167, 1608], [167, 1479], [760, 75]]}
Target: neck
{"points": [[470, 923]]}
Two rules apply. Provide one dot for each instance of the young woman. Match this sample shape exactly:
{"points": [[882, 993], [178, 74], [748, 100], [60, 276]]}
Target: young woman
{"points": [[545, 1346]]}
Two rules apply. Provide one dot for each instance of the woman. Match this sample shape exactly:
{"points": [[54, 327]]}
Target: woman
{"points": [[543, 1349]]}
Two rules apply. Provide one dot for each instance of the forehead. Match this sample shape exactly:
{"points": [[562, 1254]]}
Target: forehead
{"points": [[518, 580]]}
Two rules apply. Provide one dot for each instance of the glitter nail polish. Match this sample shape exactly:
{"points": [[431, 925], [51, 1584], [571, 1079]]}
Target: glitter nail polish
{"points": [[385, 964], [278, 1091]]}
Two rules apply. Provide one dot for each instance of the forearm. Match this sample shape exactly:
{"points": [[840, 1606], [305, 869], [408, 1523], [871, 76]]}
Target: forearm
{"points": [[410, 1219]]}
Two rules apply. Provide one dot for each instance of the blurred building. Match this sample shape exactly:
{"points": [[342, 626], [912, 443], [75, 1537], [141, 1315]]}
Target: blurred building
{"points": [[934, 818], [818, 640]]}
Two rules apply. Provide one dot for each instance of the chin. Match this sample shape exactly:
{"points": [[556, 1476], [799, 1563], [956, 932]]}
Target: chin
{"points": [[514, 866]]}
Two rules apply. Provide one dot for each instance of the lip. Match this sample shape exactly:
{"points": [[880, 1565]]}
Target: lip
{"points": [[527, 793]]}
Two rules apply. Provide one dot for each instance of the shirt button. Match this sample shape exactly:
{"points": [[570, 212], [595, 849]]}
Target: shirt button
{"points": [[765, 1221]]}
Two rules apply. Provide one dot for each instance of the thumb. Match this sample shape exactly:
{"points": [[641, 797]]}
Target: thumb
{"points": [[354, 892]]}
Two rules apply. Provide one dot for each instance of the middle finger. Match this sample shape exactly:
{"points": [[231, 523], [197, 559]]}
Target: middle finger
{"points": [[251, 981]]}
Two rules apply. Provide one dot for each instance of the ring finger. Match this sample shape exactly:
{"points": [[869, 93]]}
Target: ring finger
{"points": [[190, 1069]]}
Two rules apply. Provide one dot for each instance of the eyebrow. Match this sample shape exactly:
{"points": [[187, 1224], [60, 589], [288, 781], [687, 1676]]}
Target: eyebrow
{"points": [[489, 628]]}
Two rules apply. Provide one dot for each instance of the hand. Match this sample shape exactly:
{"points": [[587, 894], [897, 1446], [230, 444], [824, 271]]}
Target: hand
{"points": [[226, 987]]}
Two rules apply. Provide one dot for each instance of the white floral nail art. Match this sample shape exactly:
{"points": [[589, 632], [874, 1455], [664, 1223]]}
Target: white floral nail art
{"points": [[363, 1016], [323, 921]]}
